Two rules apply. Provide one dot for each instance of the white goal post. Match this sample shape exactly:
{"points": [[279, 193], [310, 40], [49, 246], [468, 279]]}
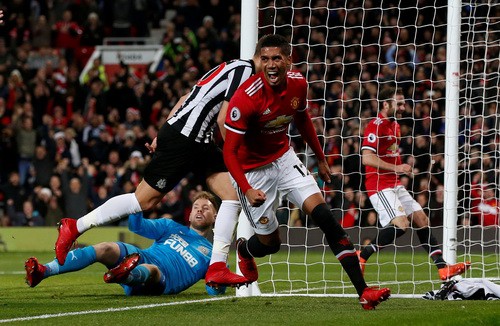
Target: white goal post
{"points": [[445, 56]]}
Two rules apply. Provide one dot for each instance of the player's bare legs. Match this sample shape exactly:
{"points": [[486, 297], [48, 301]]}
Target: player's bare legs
{"points": [[145, 197], [218, 274]]}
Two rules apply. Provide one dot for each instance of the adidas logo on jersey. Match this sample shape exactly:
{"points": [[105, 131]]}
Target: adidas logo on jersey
{"points": [[266, 112]]}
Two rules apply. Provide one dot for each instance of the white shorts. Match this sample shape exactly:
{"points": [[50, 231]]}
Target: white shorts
{"points": [[286, 176], [393, 202]]}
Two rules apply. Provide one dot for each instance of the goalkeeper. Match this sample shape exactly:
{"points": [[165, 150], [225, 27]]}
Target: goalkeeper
{"points": [[177, 259], [393, 203]]}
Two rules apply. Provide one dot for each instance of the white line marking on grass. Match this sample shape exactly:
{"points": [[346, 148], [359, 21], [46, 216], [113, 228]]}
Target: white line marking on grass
{"points": [[87, 312]]}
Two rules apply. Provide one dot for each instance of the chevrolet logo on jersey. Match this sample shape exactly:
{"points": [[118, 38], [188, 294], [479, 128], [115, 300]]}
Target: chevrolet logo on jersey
{"points": [[179, 245], [279, 121], [393, 150]]}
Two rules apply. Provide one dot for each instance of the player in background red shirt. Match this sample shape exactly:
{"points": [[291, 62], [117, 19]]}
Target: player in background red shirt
{"points": [[485, 207], [394, 205], [262, 163]]}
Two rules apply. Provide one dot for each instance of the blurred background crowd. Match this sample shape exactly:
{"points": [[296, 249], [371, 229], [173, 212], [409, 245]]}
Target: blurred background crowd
{"points": [[67, 146]]}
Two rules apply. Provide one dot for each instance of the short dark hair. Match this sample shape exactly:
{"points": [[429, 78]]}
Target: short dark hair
{"points": [[388, 93], [274, 40]]}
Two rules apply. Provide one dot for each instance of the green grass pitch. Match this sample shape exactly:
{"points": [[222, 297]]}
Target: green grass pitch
{"points": [[82, 298]]}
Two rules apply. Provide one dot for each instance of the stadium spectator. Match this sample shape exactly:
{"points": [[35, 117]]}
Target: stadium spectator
{"points": [[20, 33], [26, 144], [371, 219], [41, 198], [54, 212], [392, 201], [67, 35], [42, 33], [42, 167], [28, 216], [134, 168], [485, 208], [160, 269], [96, 71], [74, 188], [350, 209], [121, 17], [172, 207], [92, 31], [261, 163]]}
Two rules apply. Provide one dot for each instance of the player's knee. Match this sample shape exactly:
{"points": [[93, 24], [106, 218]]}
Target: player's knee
{"points": [[322, 214], [107, 253], [147, 205], [148, 198], [323, 217], [105, 248]]}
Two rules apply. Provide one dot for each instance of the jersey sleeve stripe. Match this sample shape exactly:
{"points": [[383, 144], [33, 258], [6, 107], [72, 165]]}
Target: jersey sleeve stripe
{"points": [[254, 87], [241, 74], [373, 149], [235, 130]]}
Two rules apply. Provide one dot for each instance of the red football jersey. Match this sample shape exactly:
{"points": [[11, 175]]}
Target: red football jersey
{"points": [[382, 136], [487, 212], [263, 117]]}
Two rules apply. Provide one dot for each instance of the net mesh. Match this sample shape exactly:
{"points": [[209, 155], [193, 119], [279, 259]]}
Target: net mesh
{"points": [[348, 50]]}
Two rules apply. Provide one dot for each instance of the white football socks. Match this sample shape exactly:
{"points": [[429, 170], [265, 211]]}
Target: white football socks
{"points": [[114, 209], [225, 223]]}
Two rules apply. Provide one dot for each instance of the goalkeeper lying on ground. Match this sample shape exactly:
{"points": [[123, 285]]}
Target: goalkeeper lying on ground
{"points": [[177, 259]]}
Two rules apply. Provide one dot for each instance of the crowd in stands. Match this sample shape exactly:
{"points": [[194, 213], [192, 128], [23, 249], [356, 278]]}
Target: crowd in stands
{"points": [[66, 146]]}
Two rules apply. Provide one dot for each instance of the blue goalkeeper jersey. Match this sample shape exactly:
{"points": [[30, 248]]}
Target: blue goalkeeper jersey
{"points": [[180, 253]]}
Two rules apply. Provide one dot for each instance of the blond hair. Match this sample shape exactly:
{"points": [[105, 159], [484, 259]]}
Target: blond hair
{"points": [[208, 196]]}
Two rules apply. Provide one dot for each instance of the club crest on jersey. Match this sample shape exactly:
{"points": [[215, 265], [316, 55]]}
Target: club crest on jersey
{"points": [[204, 250], [295, 103], [162, 183], [235, 114], [263, 220]]}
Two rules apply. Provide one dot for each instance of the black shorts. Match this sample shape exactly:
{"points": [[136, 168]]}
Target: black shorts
{"points": [[176, 156]]}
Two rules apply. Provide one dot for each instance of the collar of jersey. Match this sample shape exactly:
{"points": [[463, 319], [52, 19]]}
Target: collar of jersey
{"points": [[269, 88]]}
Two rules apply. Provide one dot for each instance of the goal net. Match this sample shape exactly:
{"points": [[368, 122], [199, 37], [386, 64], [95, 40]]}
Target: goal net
{"points": [[348, 50]]}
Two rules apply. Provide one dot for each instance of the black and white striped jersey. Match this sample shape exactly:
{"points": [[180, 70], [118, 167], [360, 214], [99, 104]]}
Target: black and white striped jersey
{"points": [[196, 118]]}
